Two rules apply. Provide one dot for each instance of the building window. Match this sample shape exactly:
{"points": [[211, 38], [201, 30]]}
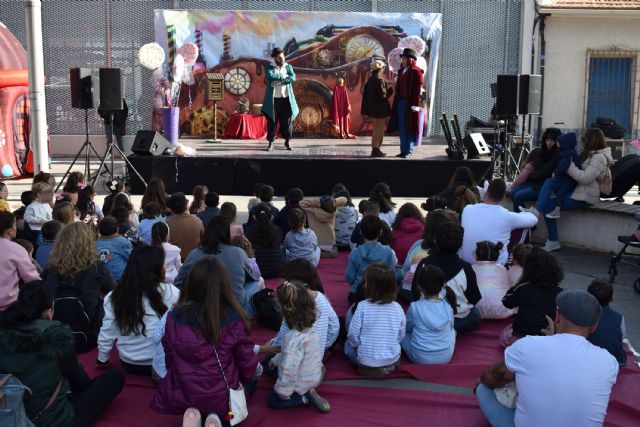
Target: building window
{"points": [[611, 88]]}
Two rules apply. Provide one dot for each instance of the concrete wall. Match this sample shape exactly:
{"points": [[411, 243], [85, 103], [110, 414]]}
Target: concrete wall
{"points": [[568, 38]]}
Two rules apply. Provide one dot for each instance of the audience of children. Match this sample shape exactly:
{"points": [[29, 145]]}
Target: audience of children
{"points": [[197, 201], [132, 311], [186, 229], [364, 255], [150, 216], [292, 200], [493, 281], [378, 324], [211, 210], [209, 329], [346, 217], [430, 337], [611, 330], [381, 194], [228, 211], [534, 296], [367, 207], [266, 238], [299, 362], [518, 257], [458, 275], [50, 230], [321, 214], [301, 242], [406, 229], [113, 249], [172, 263], [39, 211]]}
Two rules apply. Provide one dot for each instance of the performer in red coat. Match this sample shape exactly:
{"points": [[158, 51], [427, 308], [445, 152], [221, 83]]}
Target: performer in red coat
{"points": [[406, 102], [341, 110]]}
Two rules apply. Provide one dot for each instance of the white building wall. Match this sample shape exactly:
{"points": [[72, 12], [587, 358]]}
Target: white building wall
{"points": [[568, 38]]}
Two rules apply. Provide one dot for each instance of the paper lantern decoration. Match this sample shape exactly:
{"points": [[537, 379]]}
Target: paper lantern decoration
{"points": [[413, 42], [177, 70], [189, 52], [151, 56], [394, 59], [422, 64]]}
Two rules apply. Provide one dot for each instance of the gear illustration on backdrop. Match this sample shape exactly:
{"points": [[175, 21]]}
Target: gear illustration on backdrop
{"points": [[237, 81]]}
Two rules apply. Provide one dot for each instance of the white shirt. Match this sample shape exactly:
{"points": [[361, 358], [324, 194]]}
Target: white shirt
{"points": [[36, 212], [280, 90], [562, 380], [493, 223]]}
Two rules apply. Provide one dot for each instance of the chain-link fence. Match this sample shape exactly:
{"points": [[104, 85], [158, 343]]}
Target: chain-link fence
{"points": [[481, 38]]}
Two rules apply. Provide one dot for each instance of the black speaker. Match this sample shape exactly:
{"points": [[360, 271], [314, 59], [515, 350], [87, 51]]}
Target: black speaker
{"points": [[81, 88], [150, 143], [530, 94], [111, 89], [507, 95]]}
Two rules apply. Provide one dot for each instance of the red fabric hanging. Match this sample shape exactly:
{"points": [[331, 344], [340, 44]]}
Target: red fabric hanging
{"points": [[340, 113]]}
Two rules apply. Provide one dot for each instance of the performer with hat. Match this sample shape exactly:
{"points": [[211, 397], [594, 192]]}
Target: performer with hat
{"points": [[279, 103], [375, 104], [406, 102]]}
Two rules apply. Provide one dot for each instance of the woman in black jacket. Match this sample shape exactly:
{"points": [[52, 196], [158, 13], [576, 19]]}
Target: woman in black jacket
{"points": [[375, 104], [548, 160], [78, 281]]}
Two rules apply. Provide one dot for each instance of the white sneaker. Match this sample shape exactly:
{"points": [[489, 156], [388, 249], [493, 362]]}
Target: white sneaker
{"points": [[554, 214], [551, 245], [531, 210]]}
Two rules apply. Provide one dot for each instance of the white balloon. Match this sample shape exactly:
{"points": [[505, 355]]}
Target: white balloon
{"points": [[178, 68], [422, 63], [151, 55], [413, 42]]}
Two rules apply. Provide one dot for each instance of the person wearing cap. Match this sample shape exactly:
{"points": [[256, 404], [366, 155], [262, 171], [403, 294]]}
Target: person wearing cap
{"points": [[562, 379], [375, 104], [279, 104], [406, 102]]}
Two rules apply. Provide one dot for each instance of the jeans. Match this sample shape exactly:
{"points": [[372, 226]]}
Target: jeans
{"points": [[422, 358], [282, 113], [108, 130], [468, 323], [547, 204], [351, 352], [274, 401], [496, 413], [523, 194], [92, 401], [561, 187], [406, 138]]}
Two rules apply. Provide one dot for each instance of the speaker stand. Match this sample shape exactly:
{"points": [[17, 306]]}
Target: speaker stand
{"points": [[110, 153], [87, 158]]}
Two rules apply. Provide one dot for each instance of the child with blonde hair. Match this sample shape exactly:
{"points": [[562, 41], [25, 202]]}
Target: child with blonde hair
{"points": [[39, 211]]}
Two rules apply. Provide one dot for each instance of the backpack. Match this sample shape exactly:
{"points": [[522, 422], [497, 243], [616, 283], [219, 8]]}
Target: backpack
{"points": [[267, 310], [12, 412], [68, 309]]}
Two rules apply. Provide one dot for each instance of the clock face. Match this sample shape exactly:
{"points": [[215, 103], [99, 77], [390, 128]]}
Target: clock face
{"points": [[363, 46], [237, 81]]}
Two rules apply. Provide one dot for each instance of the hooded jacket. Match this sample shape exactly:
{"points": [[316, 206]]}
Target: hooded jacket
{"points": [[364, 255], [567, 154], [193, 375], [403, 237], [302, 244], [588, 189], [323, 223], [41, 354], [346, 220]]}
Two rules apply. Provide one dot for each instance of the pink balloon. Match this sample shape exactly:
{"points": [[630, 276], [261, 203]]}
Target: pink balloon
{"points": [[190, 53], [394, 59]]}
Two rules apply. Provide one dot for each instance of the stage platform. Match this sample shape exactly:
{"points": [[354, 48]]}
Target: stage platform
{"points": [[233, 167]]}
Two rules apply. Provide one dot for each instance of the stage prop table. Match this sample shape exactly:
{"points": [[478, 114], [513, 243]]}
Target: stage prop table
{"points": [[246, 126]]}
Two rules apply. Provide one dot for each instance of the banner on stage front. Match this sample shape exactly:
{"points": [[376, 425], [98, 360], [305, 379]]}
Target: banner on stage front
{"points": [[321, 47]]}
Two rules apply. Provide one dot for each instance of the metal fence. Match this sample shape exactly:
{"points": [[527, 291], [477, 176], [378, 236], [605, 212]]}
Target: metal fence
{"points": [[481, 38]]}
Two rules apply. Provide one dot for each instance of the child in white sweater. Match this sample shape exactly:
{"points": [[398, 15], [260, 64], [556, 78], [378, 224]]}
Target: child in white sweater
{"points": [[299, 363], [39, 211], [172, 262], [377, 326]]}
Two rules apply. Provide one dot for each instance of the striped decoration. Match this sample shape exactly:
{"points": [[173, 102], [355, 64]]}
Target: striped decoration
{"points": [[171, 42]]}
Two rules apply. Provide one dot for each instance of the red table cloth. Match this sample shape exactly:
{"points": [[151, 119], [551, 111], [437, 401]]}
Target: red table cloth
{"points": [[246, 126]]}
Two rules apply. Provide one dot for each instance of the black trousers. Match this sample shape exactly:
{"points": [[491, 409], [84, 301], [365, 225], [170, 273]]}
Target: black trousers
{"points": [[130, 368], [282, 113], [92, 401]]}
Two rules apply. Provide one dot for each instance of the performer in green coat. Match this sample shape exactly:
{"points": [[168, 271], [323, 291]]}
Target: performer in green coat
{"points": [[279, 105]]}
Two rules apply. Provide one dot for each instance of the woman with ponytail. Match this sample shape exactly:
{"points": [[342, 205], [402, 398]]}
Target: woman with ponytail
{"points": [[430, 337], [133, 309], [266, 238], [160, 239]]}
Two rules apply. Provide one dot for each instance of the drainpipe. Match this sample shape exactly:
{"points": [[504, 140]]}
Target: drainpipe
{"points": [[543, 48], [37, 101]]}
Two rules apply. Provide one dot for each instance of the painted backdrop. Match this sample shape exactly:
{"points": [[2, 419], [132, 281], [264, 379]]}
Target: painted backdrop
{"points": [[321, 46]]}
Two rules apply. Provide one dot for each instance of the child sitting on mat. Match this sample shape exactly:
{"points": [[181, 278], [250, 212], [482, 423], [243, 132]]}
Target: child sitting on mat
{"points": [[430, 335], [493, 281], [160, 234], [377, 326], [299, 363], [301, 242], [611, 329]]}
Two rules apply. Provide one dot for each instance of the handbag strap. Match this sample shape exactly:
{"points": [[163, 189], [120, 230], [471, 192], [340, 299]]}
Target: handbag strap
{"points": [[49, 403], [226, 383]]}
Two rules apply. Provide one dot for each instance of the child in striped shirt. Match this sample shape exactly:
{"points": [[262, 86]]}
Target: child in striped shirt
{"points": [[299, 363], [374, 344]]}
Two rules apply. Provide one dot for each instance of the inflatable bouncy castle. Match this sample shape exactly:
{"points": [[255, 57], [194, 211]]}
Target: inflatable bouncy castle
{"points": [[14, 107]]}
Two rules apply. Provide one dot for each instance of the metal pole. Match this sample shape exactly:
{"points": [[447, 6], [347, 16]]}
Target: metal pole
{"points": [[107, 36], [37, 101]]}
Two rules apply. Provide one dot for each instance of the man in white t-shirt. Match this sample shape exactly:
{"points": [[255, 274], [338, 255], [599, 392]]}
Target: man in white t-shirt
{"points": [[490, 221], [562, 379]]}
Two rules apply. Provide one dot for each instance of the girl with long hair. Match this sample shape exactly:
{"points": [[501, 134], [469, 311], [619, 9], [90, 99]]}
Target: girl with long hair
{"points": [[266, 238], [75, 183], [197, 204], [123, 200], [64, 212], [155, 192], [74, 273], [87, 205], [208, 345], [381, 194], [160, 239], [228, 211], [462, 177], [133, 310]]}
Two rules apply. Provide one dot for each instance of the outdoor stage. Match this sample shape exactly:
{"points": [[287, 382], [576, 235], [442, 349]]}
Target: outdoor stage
{"points": [[233, 167]]}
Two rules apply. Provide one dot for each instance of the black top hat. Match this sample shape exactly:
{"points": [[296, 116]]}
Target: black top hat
{"points": [[276, 51], [409, 52]]}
